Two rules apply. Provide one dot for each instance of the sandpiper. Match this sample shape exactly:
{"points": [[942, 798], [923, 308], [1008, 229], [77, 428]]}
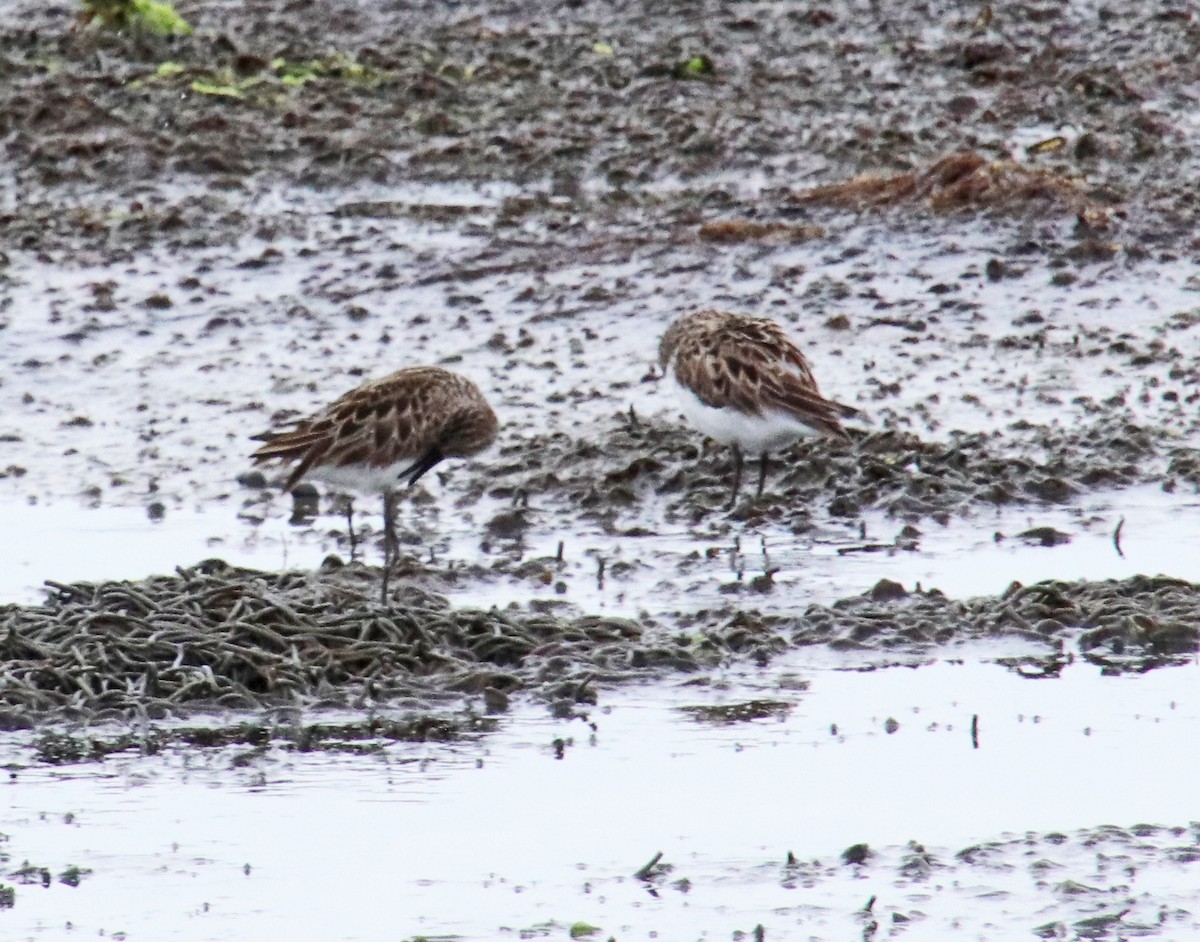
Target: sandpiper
{"points": [[385, 431], [743, 382]]}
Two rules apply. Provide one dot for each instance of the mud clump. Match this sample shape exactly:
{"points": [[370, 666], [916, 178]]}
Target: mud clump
{"points": [[897, 472], [369, 735], [727, 714]]}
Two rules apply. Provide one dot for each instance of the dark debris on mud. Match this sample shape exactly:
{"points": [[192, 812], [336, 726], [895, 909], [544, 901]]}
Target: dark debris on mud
{"points": [[894, 472], [1050, 886]]}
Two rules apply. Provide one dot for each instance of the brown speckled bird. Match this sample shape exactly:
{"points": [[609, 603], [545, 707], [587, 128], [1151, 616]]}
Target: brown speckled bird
{"points": [[385, 431], [743, 382]]}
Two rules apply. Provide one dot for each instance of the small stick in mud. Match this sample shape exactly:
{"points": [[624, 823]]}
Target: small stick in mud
{"points": [[975, 731], [558, 557], [1117, 537], [350, 534], [645, 872]]}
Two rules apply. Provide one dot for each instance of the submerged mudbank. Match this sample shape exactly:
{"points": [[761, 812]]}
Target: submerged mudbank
{"points": [[218, 638]]}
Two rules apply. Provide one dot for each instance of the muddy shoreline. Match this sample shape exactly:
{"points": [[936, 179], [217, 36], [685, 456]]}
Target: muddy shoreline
{"points": [[274, 210]]}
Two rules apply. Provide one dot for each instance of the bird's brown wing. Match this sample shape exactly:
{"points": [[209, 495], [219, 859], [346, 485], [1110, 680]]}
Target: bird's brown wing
{"points": [[753, 366], [377, 424]]}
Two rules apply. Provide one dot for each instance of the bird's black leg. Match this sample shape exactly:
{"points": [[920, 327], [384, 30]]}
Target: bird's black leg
{"points": [[737, 477], [762, 472], [390, 541], [351, 535]]}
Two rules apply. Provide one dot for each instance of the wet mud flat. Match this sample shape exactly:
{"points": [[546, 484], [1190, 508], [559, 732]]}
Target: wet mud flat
{"points": [[997, 278], [971, 219], [872, 810], [629, 94]]}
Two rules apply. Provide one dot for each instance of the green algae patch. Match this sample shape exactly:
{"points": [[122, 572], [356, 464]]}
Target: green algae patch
{"points": [[150, 16], [218, 90]]}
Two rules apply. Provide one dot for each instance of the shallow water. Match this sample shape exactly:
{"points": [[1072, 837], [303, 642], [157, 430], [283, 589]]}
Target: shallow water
{"points": [[963, 558], [489, 838]]}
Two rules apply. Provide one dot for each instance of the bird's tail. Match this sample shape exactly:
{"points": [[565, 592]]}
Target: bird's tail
{"points": [[845, 411]]}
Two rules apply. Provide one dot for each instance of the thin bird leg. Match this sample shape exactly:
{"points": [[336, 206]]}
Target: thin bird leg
{"points": [[389, 541], [353, 537], [737, 477], [762, 472]]}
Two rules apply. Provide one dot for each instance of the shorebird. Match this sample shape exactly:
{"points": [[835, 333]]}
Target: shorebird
{"points": [[743, 382], [386, 431]]}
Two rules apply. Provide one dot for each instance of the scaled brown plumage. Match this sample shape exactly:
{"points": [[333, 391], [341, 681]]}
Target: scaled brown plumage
{"points": [[386, 431], [744, 382], [414, 417], [748, 364]]}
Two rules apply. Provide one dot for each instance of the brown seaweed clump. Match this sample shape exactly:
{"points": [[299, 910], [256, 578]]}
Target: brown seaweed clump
{"points": [[962, 181]]}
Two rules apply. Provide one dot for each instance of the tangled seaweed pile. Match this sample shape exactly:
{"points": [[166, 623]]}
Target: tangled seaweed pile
{"points": [[223, 637], [1131, 624], [219, 636]]}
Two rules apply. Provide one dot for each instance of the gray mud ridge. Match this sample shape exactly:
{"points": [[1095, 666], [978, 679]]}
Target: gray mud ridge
{"points": [[219, 638], [636, 462]]}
